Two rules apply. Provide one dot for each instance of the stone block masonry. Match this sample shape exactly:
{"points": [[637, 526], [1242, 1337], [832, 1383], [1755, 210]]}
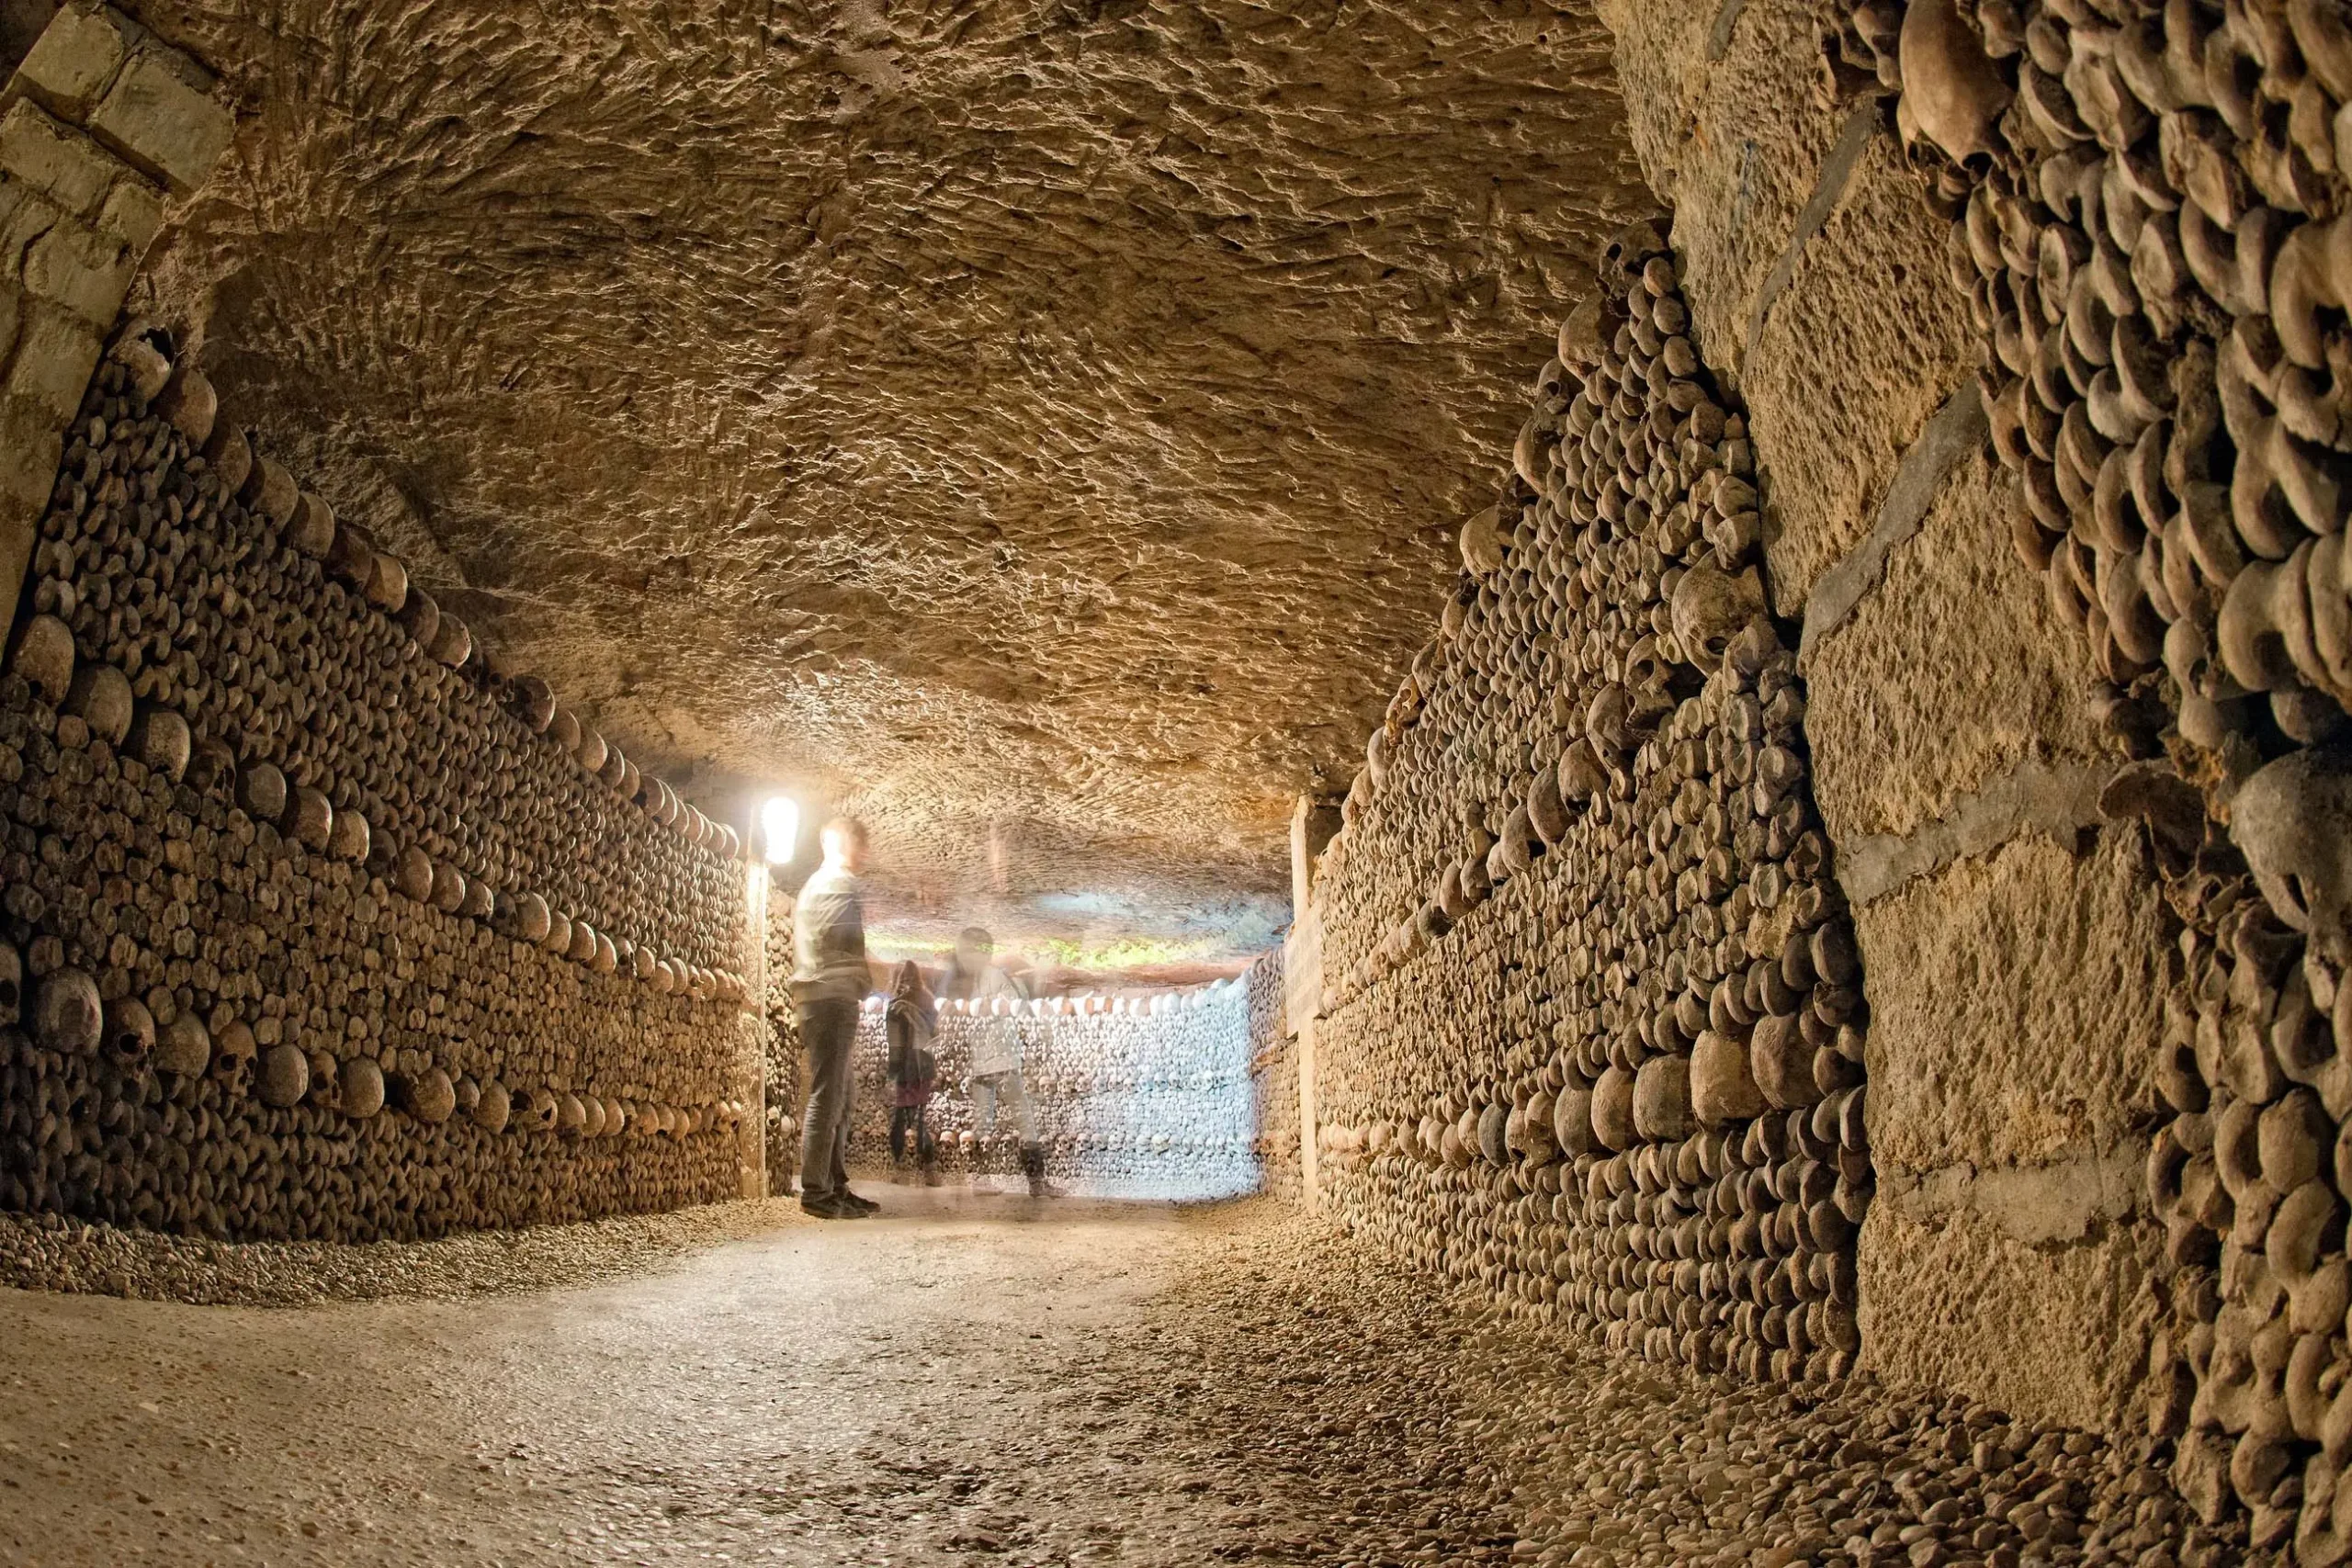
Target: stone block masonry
{"points": [[101, 127]]}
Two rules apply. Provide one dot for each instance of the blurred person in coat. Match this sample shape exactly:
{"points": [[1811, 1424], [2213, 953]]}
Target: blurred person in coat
{"points": [[912, 1025]]}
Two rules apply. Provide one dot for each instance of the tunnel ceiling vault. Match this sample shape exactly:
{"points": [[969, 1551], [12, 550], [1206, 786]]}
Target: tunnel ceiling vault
{"points": [[1054, 415]]}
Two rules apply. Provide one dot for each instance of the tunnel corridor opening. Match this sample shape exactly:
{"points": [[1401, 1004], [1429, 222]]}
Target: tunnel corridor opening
{"points": [[1780, 562]]}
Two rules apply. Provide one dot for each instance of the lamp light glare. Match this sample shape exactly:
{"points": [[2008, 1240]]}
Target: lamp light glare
{"points": [[779, 829]]}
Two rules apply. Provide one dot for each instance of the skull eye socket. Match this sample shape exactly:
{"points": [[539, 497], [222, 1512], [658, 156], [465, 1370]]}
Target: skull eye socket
{"points": [[8, 997], [127, 1042]]}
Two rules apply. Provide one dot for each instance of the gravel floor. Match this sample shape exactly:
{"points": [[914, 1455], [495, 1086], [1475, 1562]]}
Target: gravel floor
{"points": [[965, 1380]]}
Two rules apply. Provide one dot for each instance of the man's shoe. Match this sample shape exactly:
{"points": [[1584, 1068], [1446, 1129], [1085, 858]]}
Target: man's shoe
{"points": [[861, 1205], [1032, 1165], [830, 1208]]}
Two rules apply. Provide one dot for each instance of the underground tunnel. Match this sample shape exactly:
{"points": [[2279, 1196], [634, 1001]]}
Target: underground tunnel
{"points": [[1098, 781]]}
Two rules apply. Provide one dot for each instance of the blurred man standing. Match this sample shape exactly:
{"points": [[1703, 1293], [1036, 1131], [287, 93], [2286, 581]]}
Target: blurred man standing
{"points": [[830, 980], [976, 977]]}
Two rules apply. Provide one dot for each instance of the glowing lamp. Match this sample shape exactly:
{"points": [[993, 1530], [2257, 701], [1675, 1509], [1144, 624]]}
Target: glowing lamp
{"points": [[779, 828]]}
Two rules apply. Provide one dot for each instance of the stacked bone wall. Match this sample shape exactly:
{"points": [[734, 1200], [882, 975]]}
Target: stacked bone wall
{"points": [[1149, 1097], [2139, 207], [1591, 1031], [2038, 309], [316, 926], [1274, 1071]]}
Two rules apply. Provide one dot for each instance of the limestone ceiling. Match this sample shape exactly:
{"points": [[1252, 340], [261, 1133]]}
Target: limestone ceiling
{"points": [[1043, 423]]}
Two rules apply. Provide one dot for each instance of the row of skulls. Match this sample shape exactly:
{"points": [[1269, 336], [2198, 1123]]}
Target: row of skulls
{"points": [[98, 697], [219, 589]]}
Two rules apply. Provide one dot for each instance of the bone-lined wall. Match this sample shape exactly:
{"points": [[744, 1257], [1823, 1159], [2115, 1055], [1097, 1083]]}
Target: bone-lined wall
{"points": [[1274, 1072], [1591, 1029], [2141, 208], [781, 1079], [319, 921], [2035, 314], [323, 929]]}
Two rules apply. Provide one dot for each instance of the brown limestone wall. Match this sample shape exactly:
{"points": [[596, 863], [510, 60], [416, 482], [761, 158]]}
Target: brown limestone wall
{"points": [[2015, 944], [1592, 1025], [100, 128], [2080, 676]]}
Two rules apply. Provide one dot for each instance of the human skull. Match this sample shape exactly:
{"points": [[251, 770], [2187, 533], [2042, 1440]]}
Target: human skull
{"points": [[348, 836], [429, 1096], [312, 819], [283, 1076], [100, 697], [1711, 607], [159, 738], [361, 1084], [186, 1047], [130, 1033], [44, 656], [234, 1051], [2292, 820], [261, 791], [68, 1018], [325, 1080]]}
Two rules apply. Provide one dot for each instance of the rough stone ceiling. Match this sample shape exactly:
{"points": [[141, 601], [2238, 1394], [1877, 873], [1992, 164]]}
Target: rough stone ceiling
{"points": [[1041, 414]]}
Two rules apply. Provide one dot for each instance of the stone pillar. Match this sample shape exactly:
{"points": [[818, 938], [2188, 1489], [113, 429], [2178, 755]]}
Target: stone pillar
{"points": [[2011, 943], [1312, 823], [753, 1022], [101, 128], [1311, 826]]}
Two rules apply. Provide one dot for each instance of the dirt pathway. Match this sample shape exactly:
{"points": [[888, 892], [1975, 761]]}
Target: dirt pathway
{"points": [[969, 1381], [961, 1382]]}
